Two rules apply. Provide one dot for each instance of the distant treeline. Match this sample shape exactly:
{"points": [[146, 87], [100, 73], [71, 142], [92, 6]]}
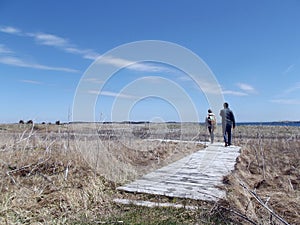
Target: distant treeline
{"points": [[278, 123], [31, 122]]}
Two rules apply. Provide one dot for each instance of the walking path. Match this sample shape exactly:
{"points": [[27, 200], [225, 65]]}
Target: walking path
{"points": [[198, 176]]}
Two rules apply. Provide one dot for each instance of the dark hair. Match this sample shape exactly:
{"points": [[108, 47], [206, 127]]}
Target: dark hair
{"points": [[209, 111], [226, 105]]}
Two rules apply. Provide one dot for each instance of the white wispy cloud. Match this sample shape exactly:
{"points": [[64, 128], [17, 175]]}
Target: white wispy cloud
{"points": [[288, 69], [292, 89], [49, 39], [246, 88], [85, 53], [111, 94], [63, 44], [210, 87], [235, 93], [9, 30], [185, 78], [5, 50], [132, 65], [153, 79], [205, 84], [9, 57], [286, 101], [15, 61], [287, 96], [31, 82], [94, 80], [52, 40]]}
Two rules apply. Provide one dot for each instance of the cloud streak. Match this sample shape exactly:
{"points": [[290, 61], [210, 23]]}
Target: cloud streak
{"points": [[286, 101], [9, 30], [8, 57], [53, 41], [136, 66], [246, 88], [15, 61], [111, 94], [289, 69], [31, 82], [85, 53], [4, 50], [292, 89], [234, 93], [49, 39], [65, 45]]}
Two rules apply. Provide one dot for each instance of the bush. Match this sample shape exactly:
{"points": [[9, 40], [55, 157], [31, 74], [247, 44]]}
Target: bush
{"points": [[29, 122]]}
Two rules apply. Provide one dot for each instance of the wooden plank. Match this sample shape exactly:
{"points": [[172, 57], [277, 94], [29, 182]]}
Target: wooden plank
{"points": [[154, 204], [197, 176], [182, 193]]}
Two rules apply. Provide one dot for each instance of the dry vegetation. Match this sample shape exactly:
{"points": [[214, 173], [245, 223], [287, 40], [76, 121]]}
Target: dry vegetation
{"points": [[265, 187], [67, 174]]}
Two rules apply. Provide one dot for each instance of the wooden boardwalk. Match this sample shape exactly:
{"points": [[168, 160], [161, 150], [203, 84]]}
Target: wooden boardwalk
{"points": [[197, 176]]}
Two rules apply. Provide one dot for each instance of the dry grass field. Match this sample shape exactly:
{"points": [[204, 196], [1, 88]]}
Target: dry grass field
{"points": [[68, 174]]}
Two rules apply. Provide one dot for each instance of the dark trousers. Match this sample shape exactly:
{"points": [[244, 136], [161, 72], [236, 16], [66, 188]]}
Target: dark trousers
{"points": [[227, 134], [211, 132]]}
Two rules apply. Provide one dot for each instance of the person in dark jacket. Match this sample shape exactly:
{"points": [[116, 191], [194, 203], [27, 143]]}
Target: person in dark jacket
{"points": [[228, 123]]}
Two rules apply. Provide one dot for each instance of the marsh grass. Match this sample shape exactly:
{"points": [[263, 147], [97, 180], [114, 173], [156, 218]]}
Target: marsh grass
{"points": [[269, 167], [57, 175], [68, 174]]}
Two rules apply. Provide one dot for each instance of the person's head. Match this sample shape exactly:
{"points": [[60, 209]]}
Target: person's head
{"points": [[209, 111], [225, 105]]}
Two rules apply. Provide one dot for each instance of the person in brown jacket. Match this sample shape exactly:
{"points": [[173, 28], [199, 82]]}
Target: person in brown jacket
{"points": [[211, 123]]}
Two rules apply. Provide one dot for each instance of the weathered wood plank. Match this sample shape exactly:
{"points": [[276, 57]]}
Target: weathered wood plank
{"points": [[197, 176], [153, 204]]}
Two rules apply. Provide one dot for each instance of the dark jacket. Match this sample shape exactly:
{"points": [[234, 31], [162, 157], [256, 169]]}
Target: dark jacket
{"points": [[227, 117]]}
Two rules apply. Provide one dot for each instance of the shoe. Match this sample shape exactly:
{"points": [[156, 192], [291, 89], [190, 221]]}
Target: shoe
{"points": [[226, 144]]}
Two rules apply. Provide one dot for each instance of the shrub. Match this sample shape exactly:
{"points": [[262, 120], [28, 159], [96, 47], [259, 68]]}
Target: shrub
{"points": [[29, 122]]}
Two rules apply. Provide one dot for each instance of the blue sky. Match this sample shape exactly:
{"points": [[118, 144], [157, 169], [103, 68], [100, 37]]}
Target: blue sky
{"points": [[252, 47]]}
